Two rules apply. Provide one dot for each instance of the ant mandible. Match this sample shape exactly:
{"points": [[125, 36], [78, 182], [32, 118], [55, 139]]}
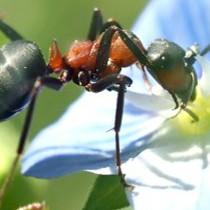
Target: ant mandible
{"points": [[94, 64]]}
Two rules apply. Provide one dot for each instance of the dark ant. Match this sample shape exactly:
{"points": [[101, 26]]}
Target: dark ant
{"points": [[94, 64]]}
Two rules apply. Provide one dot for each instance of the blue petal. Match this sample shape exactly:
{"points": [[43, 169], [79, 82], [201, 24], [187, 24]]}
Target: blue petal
{"points": [[79, 141], [184, 22], [70, 146]]}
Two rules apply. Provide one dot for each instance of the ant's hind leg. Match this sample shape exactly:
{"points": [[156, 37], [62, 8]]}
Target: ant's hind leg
{"points": [[95, 25], [9, 31], [21, 143], [46, 81], [50, 82]]}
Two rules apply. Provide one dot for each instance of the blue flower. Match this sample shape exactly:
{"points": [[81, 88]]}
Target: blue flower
{"points": [[171, 171]]}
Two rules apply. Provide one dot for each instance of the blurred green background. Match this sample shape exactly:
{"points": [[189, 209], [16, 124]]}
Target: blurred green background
{"points": [[42, 21]]}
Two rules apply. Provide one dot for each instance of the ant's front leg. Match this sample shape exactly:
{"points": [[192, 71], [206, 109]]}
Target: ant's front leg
{"points": [[109, 82], [52, 83], [121, 81]]}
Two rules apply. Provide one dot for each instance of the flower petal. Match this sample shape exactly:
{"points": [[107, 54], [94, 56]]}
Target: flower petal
{"points": [[69, 146], [204, 81], [172, 172], [169, 186], [184, 22], [79, 141], [152, 102]]}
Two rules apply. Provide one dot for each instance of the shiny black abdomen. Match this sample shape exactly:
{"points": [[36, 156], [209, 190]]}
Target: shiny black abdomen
{"points": [[21, 62]]}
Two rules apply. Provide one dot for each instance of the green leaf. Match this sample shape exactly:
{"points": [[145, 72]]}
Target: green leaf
{"points": [[3, 39], [107, 194]]}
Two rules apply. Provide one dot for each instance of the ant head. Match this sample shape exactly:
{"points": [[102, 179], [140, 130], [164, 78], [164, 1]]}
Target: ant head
{"points": [[165, 55]]}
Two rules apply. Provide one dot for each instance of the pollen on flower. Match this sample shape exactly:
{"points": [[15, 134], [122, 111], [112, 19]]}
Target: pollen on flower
{"points": [[200, 107]]}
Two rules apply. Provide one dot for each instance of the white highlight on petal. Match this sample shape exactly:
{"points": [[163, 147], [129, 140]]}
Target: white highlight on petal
{"points": [[151, 102], [204, 82], [193, 151]]}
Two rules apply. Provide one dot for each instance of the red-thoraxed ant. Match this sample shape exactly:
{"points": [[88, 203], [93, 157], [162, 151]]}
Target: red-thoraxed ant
{"points": [[94, 64]]}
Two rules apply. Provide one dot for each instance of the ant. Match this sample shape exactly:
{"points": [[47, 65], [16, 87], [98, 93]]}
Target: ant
{"points": [[94, 64]]}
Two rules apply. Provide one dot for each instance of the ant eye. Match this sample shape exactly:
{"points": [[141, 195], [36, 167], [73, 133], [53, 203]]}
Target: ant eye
{"points": [[164, 62]]}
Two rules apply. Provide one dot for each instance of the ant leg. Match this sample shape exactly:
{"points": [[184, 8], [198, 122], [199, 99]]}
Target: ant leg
{"points": [[174, 98], [194, 117], [50, 82], [131, 41], [135, 46], [117, 125], [5, 186], [107, 83], [205, 50], [21, 143], [183, 106], [95, 25], [9, 31], [193, 51], [110, 22], [47, 81], [145, 77], [104, 49]]}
